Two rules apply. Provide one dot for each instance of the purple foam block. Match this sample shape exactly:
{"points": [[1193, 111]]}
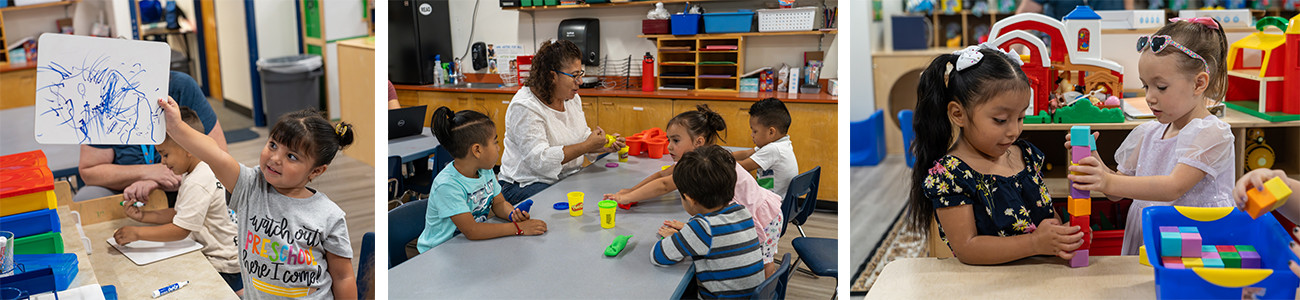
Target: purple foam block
{"points": [[1250, 259], [1080, 259], [1174, 266], [1080, 194], [1191, 244], [1168, 229], [1209, 255]]}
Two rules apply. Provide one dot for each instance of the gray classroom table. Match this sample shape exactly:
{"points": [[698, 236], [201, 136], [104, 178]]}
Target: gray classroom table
{"points": [[413, 147], [19, 135], [567, 261]]}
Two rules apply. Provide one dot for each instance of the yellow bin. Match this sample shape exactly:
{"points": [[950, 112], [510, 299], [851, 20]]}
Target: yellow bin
{"points": [[26, 189]]}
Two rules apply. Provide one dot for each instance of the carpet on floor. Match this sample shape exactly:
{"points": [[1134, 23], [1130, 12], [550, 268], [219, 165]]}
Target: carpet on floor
{"points": [[240, 135], [900, 242]]}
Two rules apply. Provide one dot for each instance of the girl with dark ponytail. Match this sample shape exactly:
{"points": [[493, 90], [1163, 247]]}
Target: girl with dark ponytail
{"points": [[465, 194], [298, 149], [973, 173], [698, 128]]}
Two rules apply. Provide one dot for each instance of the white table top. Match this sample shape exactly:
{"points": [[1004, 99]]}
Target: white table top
{"points": [[413, 147], [567, 261]]}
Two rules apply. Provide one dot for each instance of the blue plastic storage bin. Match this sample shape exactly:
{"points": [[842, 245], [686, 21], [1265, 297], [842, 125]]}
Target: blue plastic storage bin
{"points": [[686, 24], [740, 21], [64, 266], [1222, 226], [31, 223]]}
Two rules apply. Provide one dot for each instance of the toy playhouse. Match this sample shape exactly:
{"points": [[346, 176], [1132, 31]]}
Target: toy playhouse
{"points": [[1079, 58], [1260, 65]]}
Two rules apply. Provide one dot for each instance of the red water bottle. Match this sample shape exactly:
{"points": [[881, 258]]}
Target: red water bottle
{"points": [[648, 73]]}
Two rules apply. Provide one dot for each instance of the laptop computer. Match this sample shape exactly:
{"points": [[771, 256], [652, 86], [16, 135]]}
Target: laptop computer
{"points": [[407, 121]]}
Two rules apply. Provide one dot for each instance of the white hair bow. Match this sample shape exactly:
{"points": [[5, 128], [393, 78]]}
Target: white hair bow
{"points": [[971, 56]]}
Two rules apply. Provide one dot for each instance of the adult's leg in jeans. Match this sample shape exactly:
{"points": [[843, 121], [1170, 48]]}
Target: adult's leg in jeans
{"points": [[91, 192], [515, 194]]}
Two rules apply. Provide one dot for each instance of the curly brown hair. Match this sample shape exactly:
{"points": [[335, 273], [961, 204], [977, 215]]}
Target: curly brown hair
{"points": [[550, 57], [1210, 44]]}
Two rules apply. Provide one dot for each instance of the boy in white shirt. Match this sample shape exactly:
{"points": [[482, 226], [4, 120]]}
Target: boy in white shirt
{"points": [[200, 211], [773, 155]]}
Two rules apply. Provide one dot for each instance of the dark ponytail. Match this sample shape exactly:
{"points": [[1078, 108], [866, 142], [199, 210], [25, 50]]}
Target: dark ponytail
{"points": [[306, 131], [701, 122], [993, 75], [458, 131]]}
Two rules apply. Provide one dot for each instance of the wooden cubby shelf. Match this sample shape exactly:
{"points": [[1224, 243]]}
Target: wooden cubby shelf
{"points": [[702, 62]]}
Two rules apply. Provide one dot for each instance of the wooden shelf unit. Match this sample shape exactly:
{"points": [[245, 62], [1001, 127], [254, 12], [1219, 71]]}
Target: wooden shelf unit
{"points": [[4, 36], [674, 62]]}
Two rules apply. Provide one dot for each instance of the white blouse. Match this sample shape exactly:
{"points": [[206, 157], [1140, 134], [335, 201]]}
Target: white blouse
{"points": [[535, 138]]}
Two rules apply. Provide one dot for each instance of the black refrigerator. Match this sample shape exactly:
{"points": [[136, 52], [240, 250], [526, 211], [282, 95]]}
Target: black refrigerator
{"points": [[418, 31]]}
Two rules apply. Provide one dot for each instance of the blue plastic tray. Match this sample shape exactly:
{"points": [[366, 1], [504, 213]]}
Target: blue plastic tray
{"points": [[64, 266], [31, 223], [1222, 226], [740, 21]]}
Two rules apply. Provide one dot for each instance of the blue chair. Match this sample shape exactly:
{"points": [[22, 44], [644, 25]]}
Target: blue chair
{"points": [[820, 254], [905, 124], [803, 185], [867, 140], [421, 179], [396, 189], [366, 265], [405, 223], [774, 287]]}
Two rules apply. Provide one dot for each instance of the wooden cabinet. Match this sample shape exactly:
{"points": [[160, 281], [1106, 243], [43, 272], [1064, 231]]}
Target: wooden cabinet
{"points": [[813, 132], [627, 116], [19, 88], [816, 143], [357, 91]]}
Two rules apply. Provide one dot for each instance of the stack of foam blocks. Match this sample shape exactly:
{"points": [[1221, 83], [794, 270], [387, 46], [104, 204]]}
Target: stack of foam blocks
{"points": [[1080, 201], [1182, 248]]}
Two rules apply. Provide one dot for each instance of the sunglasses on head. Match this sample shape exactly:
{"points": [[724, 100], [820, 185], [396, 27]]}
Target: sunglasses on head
{"points": [[1158, 43]]}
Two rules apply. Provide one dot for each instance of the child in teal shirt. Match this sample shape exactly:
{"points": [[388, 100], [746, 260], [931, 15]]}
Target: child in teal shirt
{"points": [[466, 193]]}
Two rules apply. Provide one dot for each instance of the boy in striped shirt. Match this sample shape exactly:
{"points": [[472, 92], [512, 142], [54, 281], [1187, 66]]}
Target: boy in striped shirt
{"points": [[720, 237]]}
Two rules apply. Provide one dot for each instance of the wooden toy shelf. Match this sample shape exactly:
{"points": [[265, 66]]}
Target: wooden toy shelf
{"points": [[698, 68]]}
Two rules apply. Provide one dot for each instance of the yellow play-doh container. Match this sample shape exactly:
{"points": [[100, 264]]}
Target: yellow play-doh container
{"points": [[575, 203], [622, 154], [607, 210]]}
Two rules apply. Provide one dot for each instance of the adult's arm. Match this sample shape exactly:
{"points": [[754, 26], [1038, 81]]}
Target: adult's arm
{"points": [[96, 168], [1031, 6]]}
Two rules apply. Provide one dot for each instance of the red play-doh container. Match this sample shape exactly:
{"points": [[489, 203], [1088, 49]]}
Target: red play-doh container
{"points": [[635, 145], [657, 147]]}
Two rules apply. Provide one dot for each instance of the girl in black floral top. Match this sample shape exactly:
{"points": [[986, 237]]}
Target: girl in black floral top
{"points": [[972, 171]]}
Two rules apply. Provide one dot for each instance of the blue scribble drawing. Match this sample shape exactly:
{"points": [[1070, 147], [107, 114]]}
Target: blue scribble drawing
{"points": [[95, 96]]}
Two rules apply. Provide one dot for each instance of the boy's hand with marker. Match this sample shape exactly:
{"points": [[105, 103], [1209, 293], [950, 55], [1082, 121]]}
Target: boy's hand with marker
{"points": [[132, 209]]}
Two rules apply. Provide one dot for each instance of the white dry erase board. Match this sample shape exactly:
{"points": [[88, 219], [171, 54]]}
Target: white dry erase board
{"points": [[147, 252], [93, 90]]}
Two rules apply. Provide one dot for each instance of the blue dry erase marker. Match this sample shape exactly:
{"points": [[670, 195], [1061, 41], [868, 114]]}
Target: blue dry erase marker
{"points": [[170, 288], [136, 204]]}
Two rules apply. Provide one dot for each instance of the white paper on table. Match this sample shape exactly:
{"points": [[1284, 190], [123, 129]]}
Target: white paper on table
{"points": [[147, 252]]}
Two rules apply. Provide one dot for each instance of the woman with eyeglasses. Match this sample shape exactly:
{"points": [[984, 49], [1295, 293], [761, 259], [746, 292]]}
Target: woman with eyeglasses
{"points": [[546, 131]]}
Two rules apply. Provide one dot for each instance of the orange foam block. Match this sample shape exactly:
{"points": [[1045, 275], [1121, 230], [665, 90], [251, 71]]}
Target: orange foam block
{"points": [[1079, 206], [1274, 195]]}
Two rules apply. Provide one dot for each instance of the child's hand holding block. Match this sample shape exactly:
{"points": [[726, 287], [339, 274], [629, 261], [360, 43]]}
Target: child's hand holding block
{"points": [[1273, 196]]}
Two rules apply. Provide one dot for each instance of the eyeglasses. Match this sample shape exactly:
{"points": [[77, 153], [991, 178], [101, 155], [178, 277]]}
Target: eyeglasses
{"points": [[577, 76], [1158, 43]]}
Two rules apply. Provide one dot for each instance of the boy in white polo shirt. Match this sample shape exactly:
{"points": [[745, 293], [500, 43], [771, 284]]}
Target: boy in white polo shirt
{"points": [[773, 155]]}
